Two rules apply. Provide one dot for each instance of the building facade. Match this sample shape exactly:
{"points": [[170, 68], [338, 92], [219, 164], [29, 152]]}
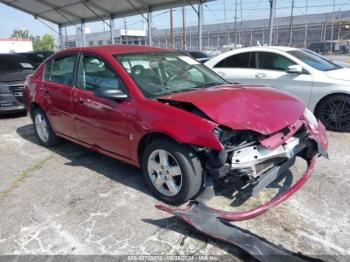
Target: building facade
{"points": [[248, 33], [14, 45]]}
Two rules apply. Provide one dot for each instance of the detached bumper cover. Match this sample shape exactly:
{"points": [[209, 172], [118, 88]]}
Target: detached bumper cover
{"points": [[214, 222]]}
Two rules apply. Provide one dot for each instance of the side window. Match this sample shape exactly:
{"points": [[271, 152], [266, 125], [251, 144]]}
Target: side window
{"points": [[94, 73], [244, 60], [273, 61], [48, 68], [61, 70]]}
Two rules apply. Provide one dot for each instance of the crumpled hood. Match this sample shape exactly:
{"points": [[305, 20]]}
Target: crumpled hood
{"points": [[340, 74], [257, 108]]}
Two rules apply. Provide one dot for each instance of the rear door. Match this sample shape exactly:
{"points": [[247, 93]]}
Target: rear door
{"points": [[57, 87], [100, 122], [237, 68], [272, 71]]}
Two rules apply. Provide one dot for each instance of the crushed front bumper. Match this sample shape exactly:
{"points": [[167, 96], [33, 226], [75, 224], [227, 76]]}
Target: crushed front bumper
{"points": [[286, 144], [214, 222]]}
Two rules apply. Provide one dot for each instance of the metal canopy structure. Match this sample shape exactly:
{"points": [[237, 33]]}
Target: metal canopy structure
{"points": [[74, 12]]}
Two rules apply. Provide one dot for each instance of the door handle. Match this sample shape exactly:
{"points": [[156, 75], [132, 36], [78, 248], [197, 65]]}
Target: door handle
{"points": [[44, 90], [260, 75], [81, 100]]}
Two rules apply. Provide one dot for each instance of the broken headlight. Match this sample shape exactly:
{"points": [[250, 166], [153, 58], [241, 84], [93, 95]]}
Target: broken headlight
{"points": [[218, 132]]}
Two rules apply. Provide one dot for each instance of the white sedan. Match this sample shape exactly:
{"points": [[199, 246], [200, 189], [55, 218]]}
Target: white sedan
{"points": [[322, 85]]}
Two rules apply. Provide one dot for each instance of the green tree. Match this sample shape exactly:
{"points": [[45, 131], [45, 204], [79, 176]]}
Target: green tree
{"points": [[21, 33], [47, 43], [36, 42], [44, 43]]}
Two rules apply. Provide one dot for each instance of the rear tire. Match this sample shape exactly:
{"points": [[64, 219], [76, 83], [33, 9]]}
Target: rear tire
{"points": [[43, 129], [172, 171], [334, 112]]}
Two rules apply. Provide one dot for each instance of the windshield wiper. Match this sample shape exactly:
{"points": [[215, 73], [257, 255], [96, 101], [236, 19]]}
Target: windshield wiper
{"points": [[209, 85], [176, 91]]}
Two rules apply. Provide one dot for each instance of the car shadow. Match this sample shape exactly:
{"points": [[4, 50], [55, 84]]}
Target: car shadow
{"points": [[131, 176], [80, 156]]}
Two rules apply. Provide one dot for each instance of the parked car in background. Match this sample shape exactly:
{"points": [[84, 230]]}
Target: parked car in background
{"points": [[37, 57], [199, 56], [13, 71], [322, 85], [172, 116]]}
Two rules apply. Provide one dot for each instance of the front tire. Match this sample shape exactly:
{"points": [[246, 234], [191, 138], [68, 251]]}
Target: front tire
{"points": [[43, 129], [334, 112], [172, 171]]}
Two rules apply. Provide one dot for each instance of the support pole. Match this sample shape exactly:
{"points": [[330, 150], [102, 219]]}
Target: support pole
{"points": [[60, 31], [125, 32], [172, 37], [291, 26], [200, 25], [251, 37], [235, 45], [83, 32], [332, 28], [306, 24], [184, 43], [112, 29], [272, 17], [149, 27]]}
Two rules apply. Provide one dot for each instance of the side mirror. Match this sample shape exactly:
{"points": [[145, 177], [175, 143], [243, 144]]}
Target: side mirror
{"points": [[114, 94], [295, 69]]}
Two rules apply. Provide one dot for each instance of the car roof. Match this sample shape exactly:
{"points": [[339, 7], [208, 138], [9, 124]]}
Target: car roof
{"points": [[117, 49], [266, 48]]}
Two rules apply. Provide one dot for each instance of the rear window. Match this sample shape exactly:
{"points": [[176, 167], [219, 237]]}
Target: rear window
{"points": [[14, 63], [243, 60], [61, 70]]}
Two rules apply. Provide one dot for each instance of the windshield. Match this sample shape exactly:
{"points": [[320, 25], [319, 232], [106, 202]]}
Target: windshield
{"points": [[195, 54], [14, 63], [164, 73], [313, 60]]}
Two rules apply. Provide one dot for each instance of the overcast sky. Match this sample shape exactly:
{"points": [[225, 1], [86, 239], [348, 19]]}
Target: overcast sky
{"points": [[213, 13]]}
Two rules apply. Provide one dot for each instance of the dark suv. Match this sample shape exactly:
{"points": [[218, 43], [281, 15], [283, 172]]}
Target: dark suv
{"points": [[37, 57], [14, 69]]}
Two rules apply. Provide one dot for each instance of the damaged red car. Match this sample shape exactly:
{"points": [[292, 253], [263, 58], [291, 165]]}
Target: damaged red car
{"points": [[166, 113]]}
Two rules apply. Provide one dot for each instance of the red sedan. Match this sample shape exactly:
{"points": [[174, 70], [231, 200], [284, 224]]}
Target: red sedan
{"points": [[165, 112]]}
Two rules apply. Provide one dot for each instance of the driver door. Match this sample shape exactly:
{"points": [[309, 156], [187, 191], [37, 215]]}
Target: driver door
{"points": [[100, 122], [271, 70]]}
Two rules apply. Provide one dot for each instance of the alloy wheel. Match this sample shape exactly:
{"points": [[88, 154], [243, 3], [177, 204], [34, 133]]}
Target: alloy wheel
{"points": [[336, 113], [41, 127], [164, 172]]}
